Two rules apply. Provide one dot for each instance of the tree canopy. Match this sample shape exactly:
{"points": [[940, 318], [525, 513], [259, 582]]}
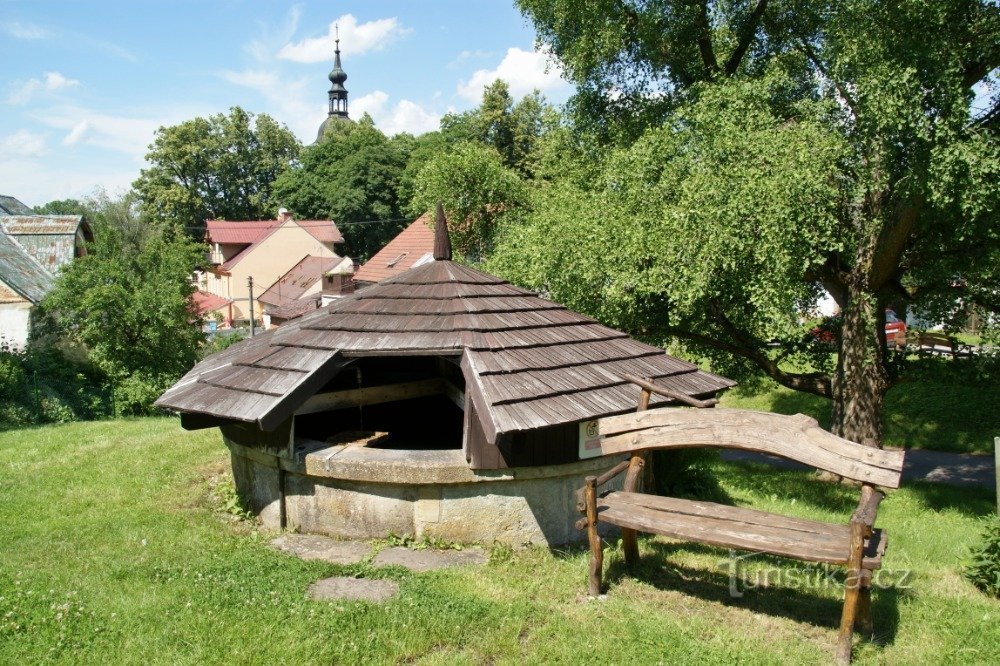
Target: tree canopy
{"points": [[220, 167], [767, 151], [127, 302], [351, 176]]}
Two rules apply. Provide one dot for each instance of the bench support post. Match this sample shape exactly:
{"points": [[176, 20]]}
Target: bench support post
{"points": [[633, 478], [852, 595], [630, 542], [865, 624], [596, 549]]}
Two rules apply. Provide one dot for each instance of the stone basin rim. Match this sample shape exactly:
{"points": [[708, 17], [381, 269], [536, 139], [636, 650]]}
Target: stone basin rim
{"points": [[420, 467]]}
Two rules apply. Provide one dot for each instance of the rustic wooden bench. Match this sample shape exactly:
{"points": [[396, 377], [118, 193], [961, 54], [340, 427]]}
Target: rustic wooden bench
{"points": [[858, 545], [929, 342]]}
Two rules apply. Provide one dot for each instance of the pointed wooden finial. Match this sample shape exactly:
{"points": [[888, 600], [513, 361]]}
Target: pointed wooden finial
{"points": [[442, 242]]}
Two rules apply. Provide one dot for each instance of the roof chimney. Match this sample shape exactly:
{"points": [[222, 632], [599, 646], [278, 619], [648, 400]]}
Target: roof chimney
{"points": [[442, 242], [284, 215]]}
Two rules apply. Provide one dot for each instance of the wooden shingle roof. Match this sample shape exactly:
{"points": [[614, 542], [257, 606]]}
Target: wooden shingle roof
{"points": [[528, 362]]}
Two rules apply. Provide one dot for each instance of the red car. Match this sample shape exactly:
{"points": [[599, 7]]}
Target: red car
{"points": [[895, 330]]}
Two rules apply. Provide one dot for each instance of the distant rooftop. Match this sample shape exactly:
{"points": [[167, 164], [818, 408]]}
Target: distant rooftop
{"points": [[12, 206], [413, 246]]}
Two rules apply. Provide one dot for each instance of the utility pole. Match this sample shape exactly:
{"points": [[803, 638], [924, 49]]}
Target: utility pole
{"points": [[253, 330]]}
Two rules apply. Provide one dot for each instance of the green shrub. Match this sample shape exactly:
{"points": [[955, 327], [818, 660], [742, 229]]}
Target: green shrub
{"points": [[686, 473], [984, 569]]}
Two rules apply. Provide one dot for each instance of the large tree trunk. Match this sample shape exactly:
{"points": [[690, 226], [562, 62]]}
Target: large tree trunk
{"points": [[860, 381]]}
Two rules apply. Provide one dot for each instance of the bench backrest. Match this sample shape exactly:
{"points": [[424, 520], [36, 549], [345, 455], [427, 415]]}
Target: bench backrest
{"points": [[937, 340], [797, 438]]}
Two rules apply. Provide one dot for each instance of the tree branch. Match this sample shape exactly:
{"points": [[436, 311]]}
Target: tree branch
{"points": [[705, 40], [848, 98], [974, 72], [815, 383], [891, 244], [747, 33]]}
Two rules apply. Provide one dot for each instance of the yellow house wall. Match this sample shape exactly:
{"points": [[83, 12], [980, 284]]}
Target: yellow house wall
{"points": [[267, 262]]}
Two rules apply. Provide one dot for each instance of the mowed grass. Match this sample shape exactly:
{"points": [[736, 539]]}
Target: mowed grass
{"points": [[945, 414], [113, 550]]}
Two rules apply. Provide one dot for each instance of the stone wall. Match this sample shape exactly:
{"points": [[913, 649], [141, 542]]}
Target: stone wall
{"points": [[355, 492]]}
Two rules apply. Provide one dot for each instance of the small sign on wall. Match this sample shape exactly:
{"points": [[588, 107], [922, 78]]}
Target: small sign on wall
{"points": [[590, 439]]}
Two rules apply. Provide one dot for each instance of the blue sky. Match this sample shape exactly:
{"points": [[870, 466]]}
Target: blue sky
{"points": [[84, 85]]}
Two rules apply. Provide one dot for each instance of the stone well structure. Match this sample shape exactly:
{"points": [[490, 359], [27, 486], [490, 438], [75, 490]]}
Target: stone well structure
{"points": [[441, 402]]}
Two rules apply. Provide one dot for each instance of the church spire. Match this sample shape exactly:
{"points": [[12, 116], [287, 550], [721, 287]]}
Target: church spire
{"points": [[338, 93]]}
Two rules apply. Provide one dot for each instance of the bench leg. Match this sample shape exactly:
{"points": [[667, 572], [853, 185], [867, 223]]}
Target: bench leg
{"points": [[864, 623], [852, 594], [633, 478], [596, 548]]}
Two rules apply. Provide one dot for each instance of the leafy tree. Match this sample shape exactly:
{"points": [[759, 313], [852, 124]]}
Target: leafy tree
{"points": [[511, 129], [62, 207], [422, 150], [222, 166], [351, 176], [129, 305], [785, 147], [477, 191]]}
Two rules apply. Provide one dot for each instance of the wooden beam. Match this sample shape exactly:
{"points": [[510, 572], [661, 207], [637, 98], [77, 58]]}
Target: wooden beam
{"points": [[195, 421], [373, 395], [795, 437], [455, 394], [660, 390]]}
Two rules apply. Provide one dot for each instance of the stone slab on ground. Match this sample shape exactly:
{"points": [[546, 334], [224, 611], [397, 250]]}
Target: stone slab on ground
{"points": [[344, 588], [428, 560], [317, 547]]}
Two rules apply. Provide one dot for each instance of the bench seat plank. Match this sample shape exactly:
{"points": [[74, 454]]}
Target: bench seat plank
{"points": [[737, 527]]}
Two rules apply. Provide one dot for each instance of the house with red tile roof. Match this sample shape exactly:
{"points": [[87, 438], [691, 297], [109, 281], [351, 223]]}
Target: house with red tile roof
{"points": [[265, 250], [414, 246]]}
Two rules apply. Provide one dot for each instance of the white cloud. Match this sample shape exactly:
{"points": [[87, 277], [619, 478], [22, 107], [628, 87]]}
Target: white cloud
{"points": [[358, 38], [35, 181], [50, 82], [23, 143], [404, 116], [523, 71], [262, 48], [76, 134], [294, 102], [24, 30], [465, 56], [128, 134]]}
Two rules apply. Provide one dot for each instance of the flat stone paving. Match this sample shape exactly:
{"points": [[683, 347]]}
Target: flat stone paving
{"points": [[352, 589], [317, 547], [428, 560]]}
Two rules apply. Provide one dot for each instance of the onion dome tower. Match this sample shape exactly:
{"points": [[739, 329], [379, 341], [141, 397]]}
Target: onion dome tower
{"points": [[338, 93]]}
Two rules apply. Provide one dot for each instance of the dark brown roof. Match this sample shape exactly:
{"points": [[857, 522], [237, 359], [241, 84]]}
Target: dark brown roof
{"points": [[528, 362], [412, 244]]}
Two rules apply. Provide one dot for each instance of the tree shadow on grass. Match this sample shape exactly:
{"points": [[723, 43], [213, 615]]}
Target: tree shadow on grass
{"points": [[802, 486], [800, 591], [973, 502]]}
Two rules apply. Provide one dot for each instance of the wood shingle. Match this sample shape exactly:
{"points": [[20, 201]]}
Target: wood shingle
{"points": [[528, 363]]}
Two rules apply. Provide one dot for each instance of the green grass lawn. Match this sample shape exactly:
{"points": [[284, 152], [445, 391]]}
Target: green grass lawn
{"points": [[946, 414], [114, 548]]}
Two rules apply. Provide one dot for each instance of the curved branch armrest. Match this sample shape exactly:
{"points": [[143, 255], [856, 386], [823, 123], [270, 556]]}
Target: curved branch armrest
{"points": [[581, 505], [868, 506]]}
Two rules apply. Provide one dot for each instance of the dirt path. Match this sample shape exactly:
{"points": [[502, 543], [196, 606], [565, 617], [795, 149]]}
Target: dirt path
{"points": [[956, 469]]}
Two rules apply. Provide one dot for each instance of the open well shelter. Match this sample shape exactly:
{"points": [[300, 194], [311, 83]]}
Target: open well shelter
{"points": [[453, 369]]}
